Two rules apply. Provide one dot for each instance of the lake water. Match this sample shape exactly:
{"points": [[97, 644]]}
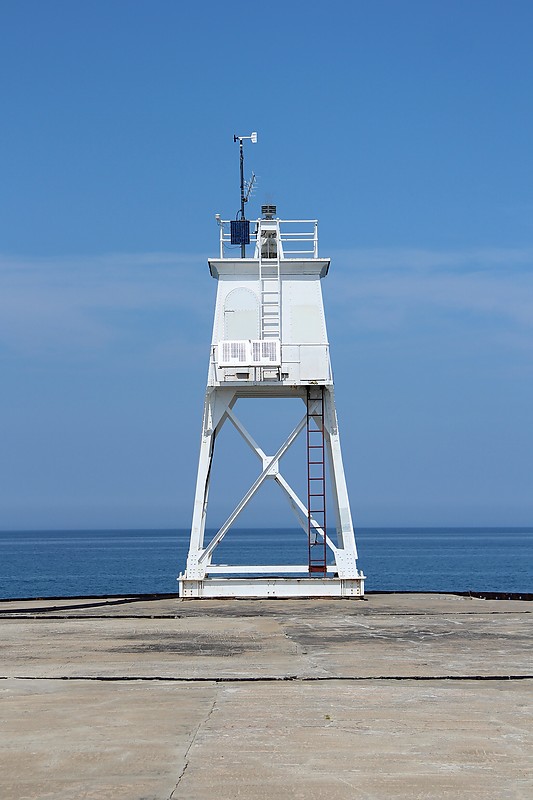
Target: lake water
{"points": [[70, 563]]}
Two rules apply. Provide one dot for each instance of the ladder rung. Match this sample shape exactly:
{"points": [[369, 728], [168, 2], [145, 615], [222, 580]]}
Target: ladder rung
{"points": [[316, 483]]}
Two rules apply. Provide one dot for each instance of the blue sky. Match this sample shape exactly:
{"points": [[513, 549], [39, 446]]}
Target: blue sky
{"points": [[405, 127]]}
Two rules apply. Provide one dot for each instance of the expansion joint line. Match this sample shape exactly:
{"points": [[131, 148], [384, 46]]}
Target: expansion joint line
{"points": [[263, 679], [203, 722]]}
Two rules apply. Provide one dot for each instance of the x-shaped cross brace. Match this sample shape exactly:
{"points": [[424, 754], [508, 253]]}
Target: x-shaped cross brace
{"points": [[270, 470]]}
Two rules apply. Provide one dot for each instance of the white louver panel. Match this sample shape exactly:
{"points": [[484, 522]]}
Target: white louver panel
{"points": [[230, 353], [250, 353], [265, 353]]}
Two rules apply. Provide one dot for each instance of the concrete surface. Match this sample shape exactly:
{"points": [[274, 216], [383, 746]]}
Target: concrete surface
{"points": [[398, 696]]}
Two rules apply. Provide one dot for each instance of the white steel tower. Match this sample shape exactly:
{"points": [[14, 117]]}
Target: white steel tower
{"points": [[269, 340]]}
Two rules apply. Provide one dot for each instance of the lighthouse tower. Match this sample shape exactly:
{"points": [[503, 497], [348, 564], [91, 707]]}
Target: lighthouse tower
{"points": [[270, 341]]}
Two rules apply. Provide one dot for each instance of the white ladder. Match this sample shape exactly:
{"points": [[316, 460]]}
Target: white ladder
{"points": [[269, 278]]}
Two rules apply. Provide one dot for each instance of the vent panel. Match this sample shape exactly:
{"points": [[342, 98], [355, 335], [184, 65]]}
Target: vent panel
{"points": [[250, 353]]}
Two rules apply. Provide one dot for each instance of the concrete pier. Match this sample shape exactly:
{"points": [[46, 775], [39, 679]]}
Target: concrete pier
{"points": [[397, 696]]}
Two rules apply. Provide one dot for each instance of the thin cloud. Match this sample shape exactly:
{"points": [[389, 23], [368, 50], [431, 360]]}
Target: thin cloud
{"points": [[86, 303], [386, 287], [79, 302], [420, 259]]}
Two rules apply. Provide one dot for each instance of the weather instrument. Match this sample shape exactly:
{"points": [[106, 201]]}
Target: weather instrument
{"points": [[240, 227]]}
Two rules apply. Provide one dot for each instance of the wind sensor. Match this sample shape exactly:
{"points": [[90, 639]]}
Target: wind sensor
{"points": [[240, 227]]}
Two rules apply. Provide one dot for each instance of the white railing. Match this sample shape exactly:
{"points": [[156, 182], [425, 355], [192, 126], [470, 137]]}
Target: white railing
{"points": [[255, 360], [306, 234]]}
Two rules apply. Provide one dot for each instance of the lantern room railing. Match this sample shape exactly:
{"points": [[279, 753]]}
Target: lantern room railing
{"points": [[299, 238]]}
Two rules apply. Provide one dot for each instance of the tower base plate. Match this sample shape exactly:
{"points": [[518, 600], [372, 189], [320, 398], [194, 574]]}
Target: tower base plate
{"points": [[220, 588]]}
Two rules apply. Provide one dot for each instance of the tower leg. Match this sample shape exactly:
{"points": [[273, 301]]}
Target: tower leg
{"points": [[217, 403], [346, 556]]}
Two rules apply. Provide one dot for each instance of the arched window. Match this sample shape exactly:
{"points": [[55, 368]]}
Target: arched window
{"points": [[241, 315]]}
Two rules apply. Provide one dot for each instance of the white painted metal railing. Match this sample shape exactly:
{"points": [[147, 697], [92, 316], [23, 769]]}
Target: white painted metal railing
{"points": [[254, 356], [306, 234]]}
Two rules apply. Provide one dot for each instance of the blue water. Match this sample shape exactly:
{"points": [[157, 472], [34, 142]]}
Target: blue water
{"points": [[68, 563]]}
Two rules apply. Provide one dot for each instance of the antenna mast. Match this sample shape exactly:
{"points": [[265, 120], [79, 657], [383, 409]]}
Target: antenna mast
{"points": [[244, 235]]}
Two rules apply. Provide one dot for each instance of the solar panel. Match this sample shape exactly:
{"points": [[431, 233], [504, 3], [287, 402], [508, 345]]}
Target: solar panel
{"points": [[240, 231]]}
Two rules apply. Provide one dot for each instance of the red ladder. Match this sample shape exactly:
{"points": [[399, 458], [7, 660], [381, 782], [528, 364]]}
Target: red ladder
{"points": [[316, 480]]}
